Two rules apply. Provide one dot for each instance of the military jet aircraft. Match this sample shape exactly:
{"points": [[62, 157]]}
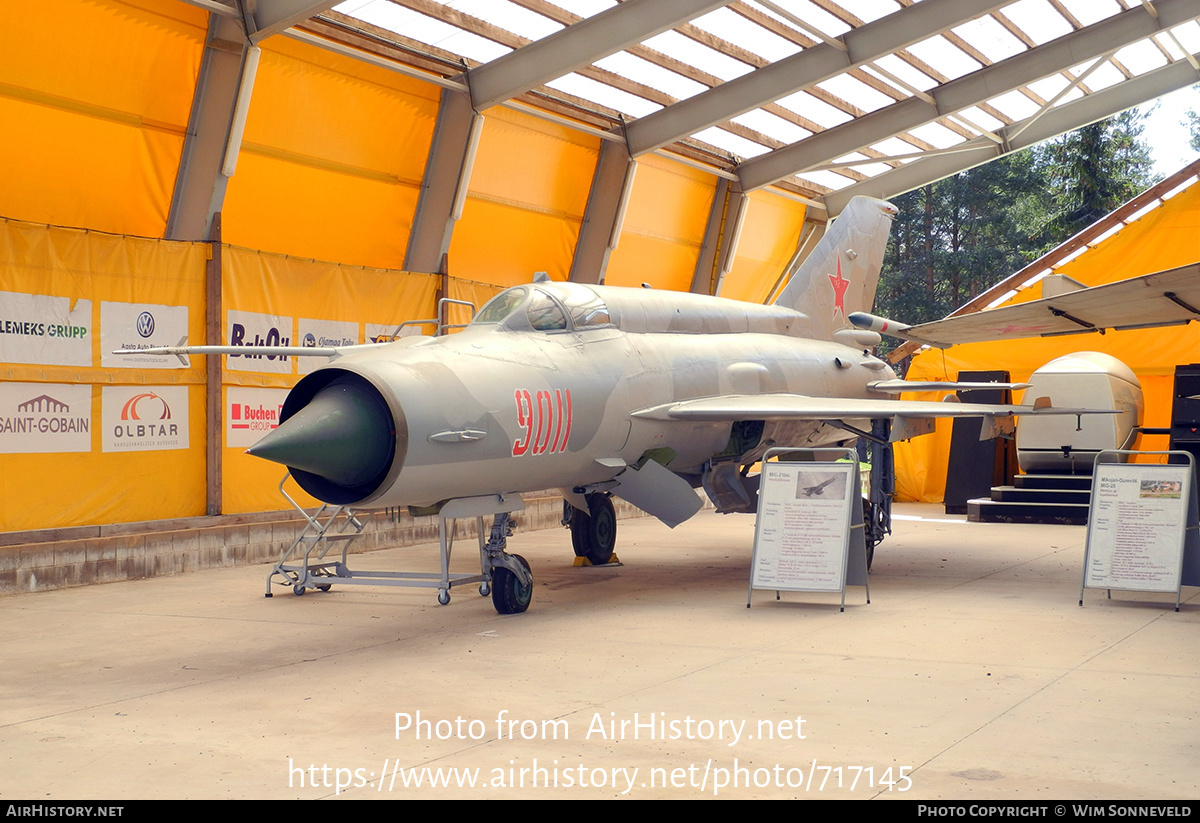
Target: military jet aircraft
{"points": [[819, 488], [602, 391]]}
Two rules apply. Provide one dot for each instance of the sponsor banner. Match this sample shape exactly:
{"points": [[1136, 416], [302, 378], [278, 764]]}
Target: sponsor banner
{"points": [[250, 413], [45, 417], [247, 328], [140, 326], [324, 333], [144, 418], [39, 328]]}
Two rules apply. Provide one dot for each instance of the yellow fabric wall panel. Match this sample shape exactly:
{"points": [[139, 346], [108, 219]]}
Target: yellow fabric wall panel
{"points": [[116, 475], [505, 245], [769, 236], [663, 263], [1163, 238], [532, 162], [667, 214], [298, 209], [526, 200], [95, 111], [332, 158]]}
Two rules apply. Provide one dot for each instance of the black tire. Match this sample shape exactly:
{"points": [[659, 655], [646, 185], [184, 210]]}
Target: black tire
{"points": [[594, 533], [508, 595]]}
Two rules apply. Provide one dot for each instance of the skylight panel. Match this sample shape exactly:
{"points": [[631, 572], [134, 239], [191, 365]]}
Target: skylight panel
{"points": [[605, 95], [826, 179], [1105, 76], [995, 42], [1014, 105], [1141, 57], [1189, 35], [855, 92], [894, 147], [906, 72], [585, 8], [689, 51], [642, 71], [509, 16], [937, 135], [816, 110], [1091, 11], [822, 20], [868, 10], [946, 58], [748, 35], [867, 168], [731, 142], [1047, 87], [1038, 19], [772, 126], [423, 29], [982, 119]]}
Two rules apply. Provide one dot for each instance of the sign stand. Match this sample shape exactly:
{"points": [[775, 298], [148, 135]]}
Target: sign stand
{"points": [[1143, 530], [809, 534]]}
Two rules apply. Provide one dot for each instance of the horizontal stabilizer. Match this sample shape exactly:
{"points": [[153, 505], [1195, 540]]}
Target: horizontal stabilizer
{"points": [[1166, 298]]}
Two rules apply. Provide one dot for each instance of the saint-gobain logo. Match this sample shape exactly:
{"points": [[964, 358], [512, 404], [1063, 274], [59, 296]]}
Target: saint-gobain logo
{"points": [[145, 324]]}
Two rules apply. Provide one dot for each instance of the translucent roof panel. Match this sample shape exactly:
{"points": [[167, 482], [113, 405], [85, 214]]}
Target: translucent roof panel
{"points": [[1038, 20], [637, 77], [744, 33], [643, 71]]}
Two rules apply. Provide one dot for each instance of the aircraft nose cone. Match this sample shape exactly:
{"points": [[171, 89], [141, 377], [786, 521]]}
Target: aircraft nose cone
{"points": [[344, 435]]}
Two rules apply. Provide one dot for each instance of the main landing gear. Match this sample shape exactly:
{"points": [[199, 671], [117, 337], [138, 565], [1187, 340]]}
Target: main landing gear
{"points": [[594, 532]]}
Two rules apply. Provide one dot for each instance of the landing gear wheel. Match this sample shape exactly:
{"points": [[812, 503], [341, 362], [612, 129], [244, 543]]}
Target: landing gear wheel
{"points": [[509, 596], [443, 596], [594, 533]]}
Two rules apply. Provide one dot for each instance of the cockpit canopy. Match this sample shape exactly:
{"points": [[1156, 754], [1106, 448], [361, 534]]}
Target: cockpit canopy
{"points": [[560, 307], [546, 307]]}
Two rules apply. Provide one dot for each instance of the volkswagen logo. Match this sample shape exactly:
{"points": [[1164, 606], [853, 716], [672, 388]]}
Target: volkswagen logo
{"points": [[145, 324]]}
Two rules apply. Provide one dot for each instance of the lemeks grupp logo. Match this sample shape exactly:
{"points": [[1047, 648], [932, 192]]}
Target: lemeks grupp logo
{"points": [[145, 324]]}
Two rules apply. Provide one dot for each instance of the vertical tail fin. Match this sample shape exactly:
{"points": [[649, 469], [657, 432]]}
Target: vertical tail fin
{"points": [[841, 273]]}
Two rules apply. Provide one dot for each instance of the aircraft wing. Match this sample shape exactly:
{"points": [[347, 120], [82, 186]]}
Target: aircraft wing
{"points": [[1166, 298]]}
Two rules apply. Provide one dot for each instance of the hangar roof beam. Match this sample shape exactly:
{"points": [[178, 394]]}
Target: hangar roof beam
{"points": [[1094, 41], [579, 45], [806, 68]]}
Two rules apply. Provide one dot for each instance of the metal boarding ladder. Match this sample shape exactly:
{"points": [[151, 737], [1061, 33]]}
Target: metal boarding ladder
{"points": [[316, 540]]}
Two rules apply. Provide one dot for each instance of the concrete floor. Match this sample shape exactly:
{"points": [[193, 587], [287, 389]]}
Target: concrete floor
{"points": [[972, 674]]}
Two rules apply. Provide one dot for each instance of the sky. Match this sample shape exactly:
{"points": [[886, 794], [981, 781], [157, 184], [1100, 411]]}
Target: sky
{"points": [[1167, 136]]}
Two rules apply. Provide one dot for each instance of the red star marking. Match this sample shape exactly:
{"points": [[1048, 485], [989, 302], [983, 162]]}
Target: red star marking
{"points": [[840, 284]]}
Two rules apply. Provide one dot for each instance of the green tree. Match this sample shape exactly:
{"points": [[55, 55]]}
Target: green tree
{"points": [[955, 238]]}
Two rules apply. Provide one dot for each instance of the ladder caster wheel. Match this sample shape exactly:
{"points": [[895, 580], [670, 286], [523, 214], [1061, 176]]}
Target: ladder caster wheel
{"points": [[484, 589], [443, 596], [298, 590], [325, 588]]}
